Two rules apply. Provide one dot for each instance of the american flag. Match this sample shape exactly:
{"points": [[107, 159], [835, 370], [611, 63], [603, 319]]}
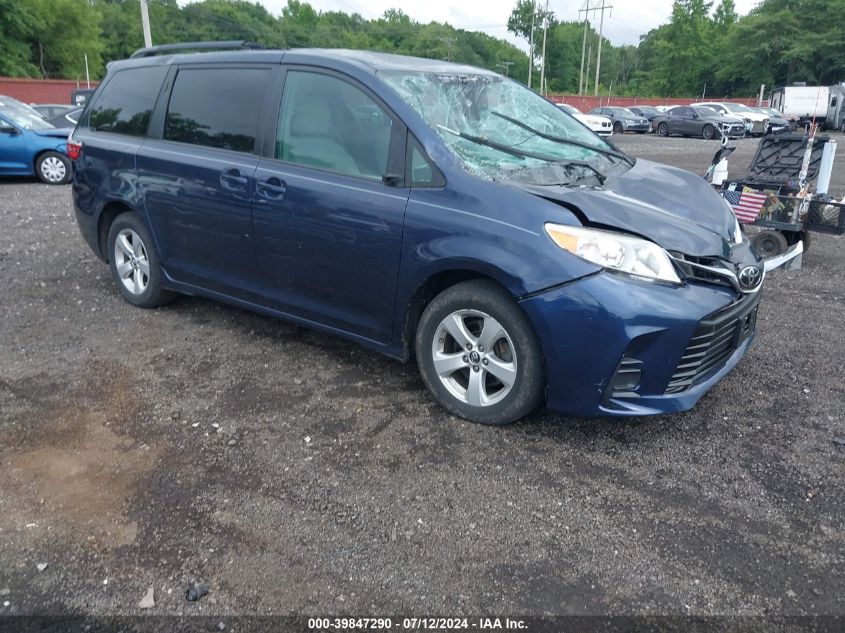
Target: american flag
{"points": [[746, 205]]}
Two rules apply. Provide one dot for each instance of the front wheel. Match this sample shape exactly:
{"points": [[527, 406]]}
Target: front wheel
{"points": [[53, 168], [709, 132], [617, 128], [663, 129], [478, 355]]}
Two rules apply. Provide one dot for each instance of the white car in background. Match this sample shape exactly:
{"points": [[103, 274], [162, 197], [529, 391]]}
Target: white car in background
{"points": [[601, 125], [755, 122]]}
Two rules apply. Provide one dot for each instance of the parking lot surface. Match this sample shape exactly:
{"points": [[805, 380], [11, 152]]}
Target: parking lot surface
{"points": [[296, 473]]}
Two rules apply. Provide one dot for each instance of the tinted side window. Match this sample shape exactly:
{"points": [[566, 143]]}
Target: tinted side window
{"points": [[327, 122], [216, 107], [125, 105]]}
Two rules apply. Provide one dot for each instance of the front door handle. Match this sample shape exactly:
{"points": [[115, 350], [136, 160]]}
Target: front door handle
{"points": [[272, 188], [232, 179]]}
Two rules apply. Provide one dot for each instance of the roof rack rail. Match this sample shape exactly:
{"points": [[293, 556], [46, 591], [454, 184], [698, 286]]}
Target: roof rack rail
{"points": [[169, 48]]}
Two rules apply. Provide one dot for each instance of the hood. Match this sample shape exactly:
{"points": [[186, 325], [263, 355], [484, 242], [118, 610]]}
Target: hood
{"points": [[752, 116], [728, 118], [595, 119], [672, 207], [57, 132], [720, 118]]}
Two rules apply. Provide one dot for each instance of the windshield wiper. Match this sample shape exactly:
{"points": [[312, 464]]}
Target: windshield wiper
{"points": [[567, 141], [513, 151]]}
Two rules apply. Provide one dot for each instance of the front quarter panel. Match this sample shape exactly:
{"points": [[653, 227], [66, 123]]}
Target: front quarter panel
{"points": [[487, 228]]}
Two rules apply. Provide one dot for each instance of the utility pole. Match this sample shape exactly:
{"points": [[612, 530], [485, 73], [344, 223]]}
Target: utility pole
{"points": [[586, 11], [506, 66], [598, 59], [531, 42], [145, 24], [589, 61], [543, 67]]}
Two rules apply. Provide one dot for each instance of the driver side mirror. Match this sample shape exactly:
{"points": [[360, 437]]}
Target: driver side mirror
{"points": [[8, 129]]}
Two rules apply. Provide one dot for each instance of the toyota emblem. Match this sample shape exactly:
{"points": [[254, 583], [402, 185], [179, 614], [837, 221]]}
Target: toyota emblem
{"points": [[750, 277]]}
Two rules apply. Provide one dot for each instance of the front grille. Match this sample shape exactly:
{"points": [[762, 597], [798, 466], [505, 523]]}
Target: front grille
{"points": [[707, 269], [713, 342]]}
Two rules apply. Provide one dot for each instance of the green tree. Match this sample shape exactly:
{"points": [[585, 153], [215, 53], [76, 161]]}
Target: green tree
{"points": [[18, 23]]}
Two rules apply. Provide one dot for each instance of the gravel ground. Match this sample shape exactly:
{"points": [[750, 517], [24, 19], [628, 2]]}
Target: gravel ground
{"points": [[296, 473]]}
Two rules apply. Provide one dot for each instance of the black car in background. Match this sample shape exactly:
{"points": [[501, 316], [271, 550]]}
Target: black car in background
{"points": [[51, 110], [647, 112], [67, 118], [700, 121], [778, 122], [623, 119]]}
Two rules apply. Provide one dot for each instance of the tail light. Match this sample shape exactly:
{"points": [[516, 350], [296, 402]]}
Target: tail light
{"points": [[73, 148]]}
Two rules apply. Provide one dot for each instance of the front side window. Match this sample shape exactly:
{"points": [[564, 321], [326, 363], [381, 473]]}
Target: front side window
{"points": [[127, 101], [216, 107], [500, 129], [328, 123]]}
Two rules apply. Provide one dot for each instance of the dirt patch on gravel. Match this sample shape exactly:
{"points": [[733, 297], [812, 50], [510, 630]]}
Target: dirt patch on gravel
{"points": [[76, 466]]}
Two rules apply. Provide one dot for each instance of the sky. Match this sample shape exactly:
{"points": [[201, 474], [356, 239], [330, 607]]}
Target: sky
{"points": [[624, 24]]}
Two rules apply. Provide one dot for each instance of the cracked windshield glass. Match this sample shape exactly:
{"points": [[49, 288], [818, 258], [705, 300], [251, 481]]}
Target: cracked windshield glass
{"points": [[502, 131]]}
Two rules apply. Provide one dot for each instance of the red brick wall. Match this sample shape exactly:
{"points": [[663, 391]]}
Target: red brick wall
{"points": [[586, 104], [40, 90]]}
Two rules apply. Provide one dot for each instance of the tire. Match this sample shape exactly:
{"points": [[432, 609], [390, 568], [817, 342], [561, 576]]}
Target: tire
{"points": [[663, 129], [709, 132], [467, 314], [134, 263], [54, 168], [618, 128], [769, 243]]}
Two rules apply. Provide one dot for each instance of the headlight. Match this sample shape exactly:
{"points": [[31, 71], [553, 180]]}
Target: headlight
{"points": [[615, 251]]}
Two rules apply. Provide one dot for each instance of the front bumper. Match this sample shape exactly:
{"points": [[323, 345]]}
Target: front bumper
{"points": [[733, 130], [620, 347], [635, 127]]}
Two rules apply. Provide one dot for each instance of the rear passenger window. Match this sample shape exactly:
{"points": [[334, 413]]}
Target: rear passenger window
{"points": [[328, 123], [216, 107], [127, 101]]}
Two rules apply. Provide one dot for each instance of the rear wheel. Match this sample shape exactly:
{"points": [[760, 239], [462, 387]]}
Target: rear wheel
{"points": [[663, 129], [709, 132], [478, 355], [134, 263], [53, 168]]}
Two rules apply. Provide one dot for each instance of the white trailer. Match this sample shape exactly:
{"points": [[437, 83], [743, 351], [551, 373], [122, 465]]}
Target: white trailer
{"points": [[836, 108], [805, 102]]}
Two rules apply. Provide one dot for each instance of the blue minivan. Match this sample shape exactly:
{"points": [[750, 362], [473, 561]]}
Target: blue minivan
{"points": [[424, 209]]}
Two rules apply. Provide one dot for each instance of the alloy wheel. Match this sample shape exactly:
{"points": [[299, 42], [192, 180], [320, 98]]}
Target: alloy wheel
{"points": [[131, 261], [474, 357]]}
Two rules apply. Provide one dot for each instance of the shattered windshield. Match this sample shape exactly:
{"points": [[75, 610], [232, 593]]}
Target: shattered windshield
{"points": [[501, 130]]}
